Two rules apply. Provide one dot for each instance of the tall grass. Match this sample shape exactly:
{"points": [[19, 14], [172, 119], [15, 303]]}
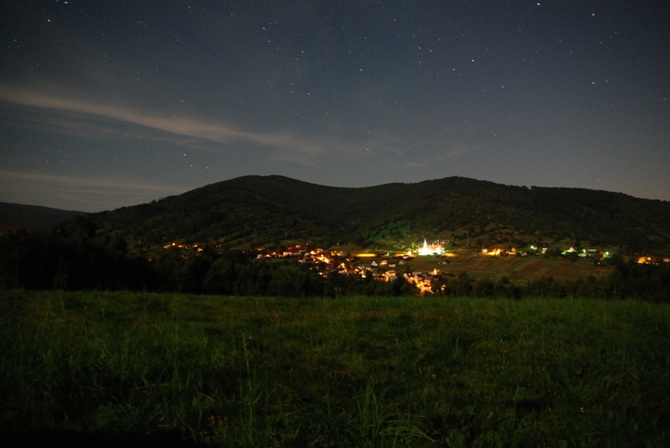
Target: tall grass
{"points": [[375, 372]]}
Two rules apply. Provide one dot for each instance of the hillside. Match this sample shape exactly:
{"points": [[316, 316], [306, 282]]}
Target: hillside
{"points": [[31, 217], [275, 210]]}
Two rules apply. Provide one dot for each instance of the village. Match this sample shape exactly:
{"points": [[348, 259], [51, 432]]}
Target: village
{"points": [[426, 266], [381, 266]]}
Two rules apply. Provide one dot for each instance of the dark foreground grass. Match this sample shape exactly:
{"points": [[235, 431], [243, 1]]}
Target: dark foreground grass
{"points": [[174, 370]]}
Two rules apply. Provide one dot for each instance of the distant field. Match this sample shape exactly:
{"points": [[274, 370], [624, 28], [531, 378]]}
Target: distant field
{"points": [[353, 372], [517, 269]]}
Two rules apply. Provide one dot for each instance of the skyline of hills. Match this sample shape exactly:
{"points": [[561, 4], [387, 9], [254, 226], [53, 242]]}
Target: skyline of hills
{"points": [[32, 217], [274, 210], [266, 210]]}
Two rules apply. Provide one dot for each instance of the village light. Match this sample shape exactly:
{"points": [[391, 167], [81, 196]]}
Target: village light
{"points": [[432, 249]]}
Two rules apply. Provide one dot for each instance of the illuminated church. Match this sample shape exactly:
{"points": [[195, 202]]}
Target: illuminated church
{"points": [[431, 249]]}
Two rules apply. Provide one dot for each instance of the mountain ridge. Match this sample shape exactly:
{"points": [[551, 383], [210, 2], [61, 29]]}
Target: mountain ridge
{"points": [[265, 210], [32, 217]]}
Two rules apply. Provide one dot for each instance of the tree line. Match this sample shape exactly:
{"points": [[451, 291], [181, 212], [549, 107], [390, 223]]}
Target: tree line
{"points": [[74, 256]]}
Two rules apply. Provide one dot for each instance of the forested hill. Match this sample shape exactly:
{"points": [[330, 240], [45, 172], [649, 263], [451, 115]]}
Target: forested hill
{"points": [[266, 210]]}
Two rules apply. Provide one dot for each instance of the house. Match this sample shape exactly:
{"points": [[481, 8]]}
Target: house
{"points": [[390, 275], [293, 251], [493, 252]]}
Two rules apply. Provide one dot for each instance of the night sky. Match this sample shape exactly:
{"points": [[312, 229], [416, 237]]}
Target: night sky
{"points": [[105, 104]]}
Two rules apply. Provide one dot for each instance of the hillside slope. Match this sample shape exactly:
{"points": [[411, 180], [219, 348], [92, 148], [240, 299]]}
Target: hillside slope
{"points": [[265, 210]]}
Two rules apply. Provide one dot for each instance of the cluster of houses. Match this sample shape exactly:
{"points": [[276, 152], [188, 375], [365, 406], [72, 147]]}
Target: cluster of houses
{"points": [[339, 262], [653, 260], [386, 267], [534, 250]]}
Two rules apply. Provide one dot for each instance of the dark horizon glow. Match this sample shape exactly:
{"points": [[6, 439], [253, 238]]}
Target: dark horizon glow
{"points": [[111, 103]]}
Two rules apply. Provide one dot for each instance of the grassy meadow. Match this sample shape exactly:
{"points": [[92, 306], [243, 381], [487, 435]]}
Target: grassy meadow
{"points": [[349, 372]]}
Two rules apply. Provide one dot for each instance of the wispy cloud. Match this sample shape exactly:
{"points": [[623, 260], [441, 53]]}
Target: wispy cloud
{"points": [[72, 181], [185, 127], [84, 117]]}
